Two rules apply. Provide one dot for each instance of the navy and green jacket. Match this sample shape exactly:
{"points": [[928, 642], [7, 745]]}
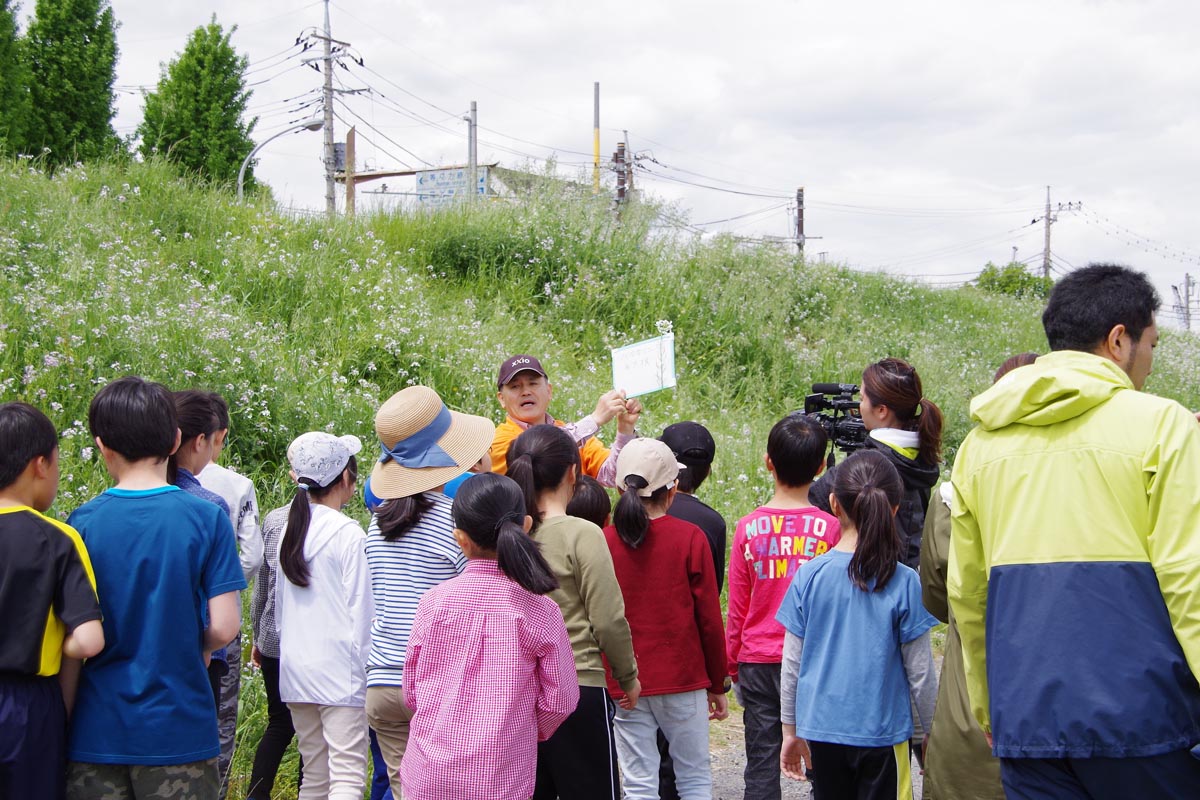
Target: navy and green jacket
{"points": [[1075, 563]]}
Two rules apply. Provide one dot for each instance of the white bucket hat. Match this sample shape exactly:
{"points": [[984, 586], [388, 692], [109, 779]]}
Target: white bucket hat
{"points": [[321, 457]]}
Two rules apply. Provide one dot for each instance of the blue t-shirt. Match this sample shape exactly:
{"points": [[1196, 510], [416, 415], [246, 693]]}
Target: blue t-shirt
{"points": [[146, 698], [852, 687]]}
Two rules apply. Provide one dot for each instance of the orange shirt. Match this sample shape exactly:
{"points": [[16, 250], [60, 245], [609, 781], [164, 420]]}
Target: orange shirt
{"points": [[592, 453]]}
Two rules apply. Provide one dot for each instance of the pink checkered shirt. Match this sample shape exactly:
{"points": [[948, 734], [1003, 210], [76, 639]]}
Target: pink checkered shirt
{"points": [[489, 673]]}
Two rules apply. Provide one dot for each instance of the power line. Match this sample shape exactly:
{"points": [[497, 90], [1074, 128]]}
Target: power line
{"points": [[275, 60], [411, 94], [273, 77], [381, 134], [756, 213], [648, 173]]}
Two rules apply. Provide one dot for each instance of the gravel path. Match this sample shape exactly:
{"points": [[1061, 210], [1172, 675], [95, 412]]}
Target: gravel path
{"points": [[727, 746]]}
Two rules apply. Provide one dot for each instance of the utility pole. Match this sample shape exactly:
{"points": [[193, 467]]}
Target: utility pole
{"points": [[473, 153], [596, 138], [801, 237], [619, 168], [349, 171], [800, 220], [1183, 303], [330, 199], [1048, 219], [628, 167]]}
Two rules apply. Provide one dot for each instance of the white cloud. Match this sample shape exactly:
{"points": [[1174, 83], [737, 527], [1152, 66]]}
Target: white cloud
{"points": [[874, 107]]}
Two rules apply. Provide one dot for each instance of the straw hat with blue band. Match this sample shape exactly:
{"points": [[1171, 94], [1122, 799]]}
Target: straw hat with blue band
{"points": [[424, 444]]}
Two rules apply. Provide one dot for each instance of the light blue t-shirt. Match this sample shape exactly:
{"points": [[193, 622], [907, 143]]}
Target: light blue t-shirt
{"points": [[852, 688], [146, 698]]}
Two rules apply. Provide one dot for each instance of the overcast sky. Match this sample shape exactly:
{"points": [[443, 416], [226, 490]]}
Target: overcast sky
{"points": [[925, 133]]}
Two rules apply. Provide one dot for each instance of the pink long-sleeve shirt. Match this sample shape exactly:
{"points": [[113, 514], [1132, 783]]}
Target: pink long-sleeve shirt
{"points": [[489, 673], [769, 545]]}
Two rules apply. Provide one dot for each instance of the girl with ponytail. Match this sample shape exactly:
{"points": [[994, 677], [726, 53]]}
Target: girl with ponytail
{"points": [[580, 760], [323, 613], [665, 569], [906, 427], [488, 671], [857, 647]]}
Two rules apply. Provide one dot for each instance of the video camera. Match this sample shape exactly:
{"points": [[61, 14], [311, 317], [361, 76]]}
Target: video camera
{"points": [[835, 406]]}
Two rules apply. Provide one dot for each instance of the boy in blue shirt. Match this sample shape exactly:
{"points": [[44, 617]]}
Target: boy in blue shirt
{"points": [[48, 609], [168, 579]]}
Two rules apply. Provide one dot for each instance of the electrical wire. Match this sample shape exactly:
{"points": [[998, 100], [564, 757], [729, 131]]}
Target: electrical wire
{"points": [[413, 95], [766, 210], [372, 142], [382, 135], [648, 173], [1163, 249], [273, 77]]}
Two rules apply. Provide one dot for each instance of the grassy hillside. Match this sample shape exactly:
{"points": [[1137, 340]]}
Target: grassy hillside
{"points": [[110, 269]]}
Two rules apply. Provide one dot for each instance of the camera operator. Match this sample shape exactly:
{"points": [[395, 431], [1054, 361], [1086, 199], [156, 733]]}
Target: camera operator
{"points": [[906, 427]]}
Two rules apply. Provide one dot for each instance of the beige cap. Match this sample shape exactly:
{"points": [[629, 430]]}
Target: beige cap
{"points": [[652, 460]]}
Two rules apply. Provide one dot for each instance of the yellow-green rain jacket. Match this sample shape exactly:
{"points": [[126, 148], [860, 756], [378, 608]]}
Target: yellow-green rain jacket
{"points": [[1074, 569]]}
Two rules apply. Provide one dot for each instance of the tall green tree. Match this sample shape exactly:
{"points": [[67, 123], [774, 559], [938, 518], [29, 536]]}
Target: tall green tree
{"points": [[14, 82], [196, 115], [71, 50]]}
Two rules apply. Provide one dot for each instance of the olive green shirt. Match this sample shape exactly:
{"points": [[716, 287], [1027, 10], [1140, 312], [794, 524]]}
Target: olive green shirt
{"points": [[590, 599]]}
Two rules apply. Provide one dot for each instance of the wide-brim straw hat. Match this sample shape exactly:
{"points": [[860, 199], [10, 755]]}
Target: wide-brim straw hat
{"points": [[424, 444]]}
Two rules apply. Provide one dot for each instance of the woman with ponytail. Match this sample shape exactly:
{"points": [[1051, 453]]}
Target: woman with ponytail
{"points": [[580, 760], [665, 569], [323, 612], [906, 427], [856, 648], [488, 671]]}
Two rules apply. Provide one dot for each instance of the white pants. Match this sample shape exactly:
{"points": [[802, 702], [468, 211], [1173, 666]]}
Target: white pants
{"points": [[683, 719], [333, 742]]}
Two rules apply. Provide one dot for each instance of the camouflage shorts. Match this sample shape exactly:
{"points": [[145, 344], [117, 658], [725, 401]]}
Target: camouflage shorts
{"points": [[195, 781]]}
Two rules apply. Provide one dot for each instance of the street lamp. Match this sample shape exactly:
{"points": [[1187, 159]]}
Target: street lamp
{"points": [[311, 125]]}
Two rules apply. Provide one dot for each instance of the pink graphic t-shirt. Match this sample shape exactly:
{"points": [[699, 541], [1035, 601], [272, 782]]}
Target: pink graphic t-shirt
{"points": [[769, 545]]}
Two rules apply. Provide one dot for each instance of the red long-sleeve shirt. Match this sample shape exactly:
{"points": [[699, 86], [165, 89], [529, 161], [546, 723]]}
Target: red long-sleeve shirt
{"points": [[673, 609]]}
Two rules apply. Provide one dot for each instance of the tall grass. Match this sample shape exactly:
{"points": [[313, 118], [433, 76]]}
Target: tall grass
{"points": [[109, 269]]}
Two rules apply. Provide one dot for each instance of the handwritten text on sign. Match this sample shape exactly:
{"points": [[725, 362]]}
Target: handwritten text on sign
{"points": [[645, 367]]}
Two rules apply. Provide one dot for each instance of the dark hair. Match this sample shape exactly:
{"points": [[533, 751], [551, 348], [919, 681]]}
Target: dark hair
{"points": [[195, 417], [221, 409], [538, 460], [490, 508], [691, 475], [134, 418], [868, 488], [291, 546], [1088, 303], [25, 434], [395, 516], [895, 383], [630, 517], [590, 501], [1012, 362], [796, 446]]}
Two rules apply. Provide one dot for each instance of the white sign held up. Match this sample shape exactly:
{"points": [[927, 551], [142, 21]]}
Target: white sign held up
{"points": [[645, 367]]}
